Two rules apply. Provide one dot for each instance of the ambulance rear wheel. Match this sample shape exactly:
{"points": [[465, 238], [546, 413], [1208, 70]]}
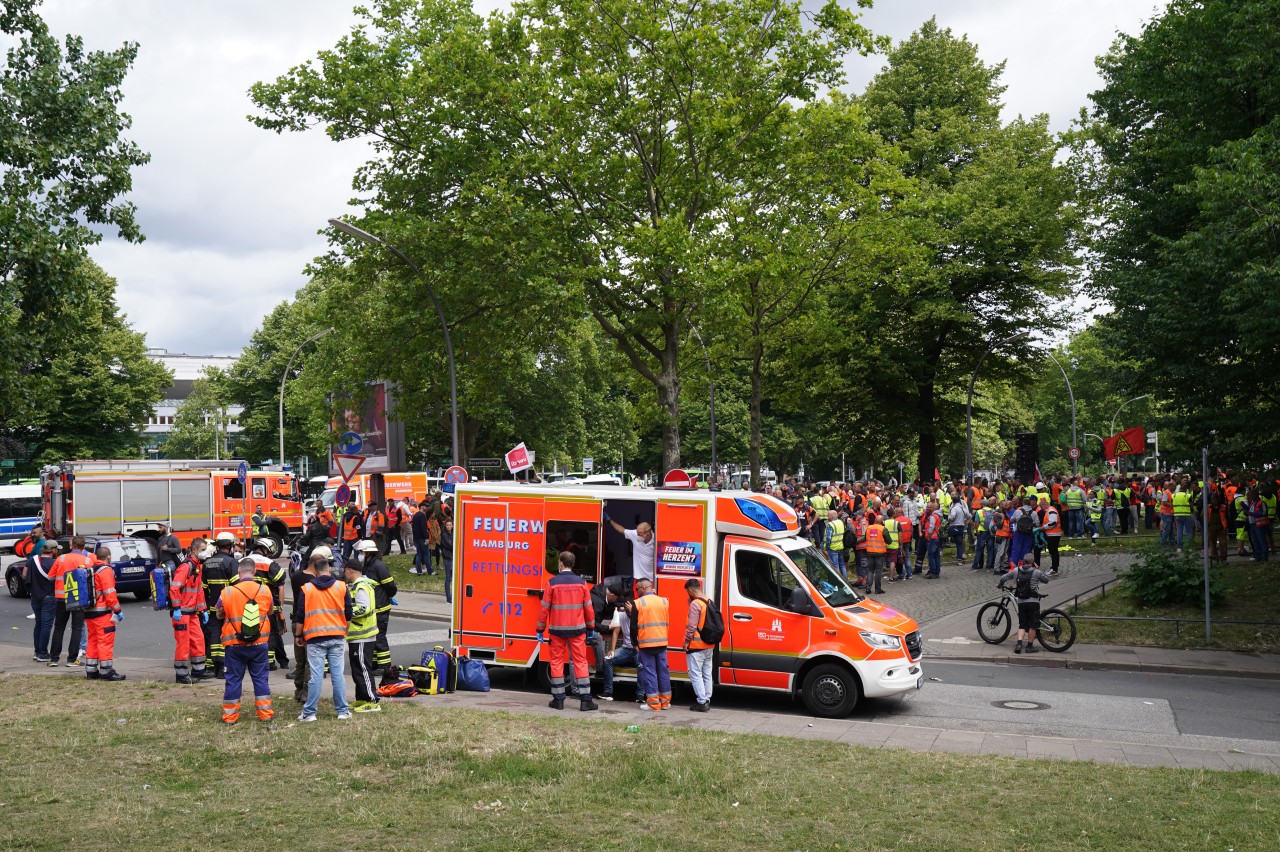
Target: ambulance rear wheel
{"points": [[143, 595], [830, 691]]}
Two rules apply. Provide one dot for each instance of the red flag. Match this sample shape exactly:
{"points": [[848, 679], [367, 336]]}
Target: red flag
{"points": [[937, 477], [1130, 442]]}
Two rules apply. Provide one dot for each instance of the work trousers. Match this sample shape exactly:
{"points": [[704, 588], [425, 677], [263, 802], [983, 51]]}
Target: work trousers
{"points": [[655, 678], [361, 656], [238, 659], [1258, 541], [276, 654], [213, 639], [700, 673], [1001, 558], [1051, 545], [1075, 522], [61, 616], [984, 552], [381, 650], [100, 652], [875, 571], [188, 646], [1186, 530], [563, 649]]}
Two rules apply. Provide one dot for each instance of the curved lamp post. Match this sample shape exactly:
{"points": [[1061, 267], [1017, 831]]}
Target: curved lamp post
{"points": [[1075, 463]]}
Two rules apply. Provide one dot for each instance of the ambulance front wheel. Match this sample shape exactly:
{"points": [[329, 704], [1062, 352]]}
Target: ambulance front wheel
{"points": [[830, 691], [142, 595]]}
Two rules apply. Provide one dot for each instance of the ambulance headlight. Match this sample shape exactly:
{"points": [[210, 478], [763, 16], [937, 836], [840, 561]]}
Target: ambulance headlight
{"points": [[882, 641]]}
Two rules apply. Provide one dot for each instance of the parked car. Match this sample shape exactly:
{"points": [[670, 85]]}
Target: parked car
{"points": [[132, 558]]}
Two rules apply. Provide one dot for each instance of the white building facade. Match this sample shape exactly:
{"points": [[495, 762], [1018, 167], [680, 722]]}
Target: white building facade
{"points": [[186, 369]]}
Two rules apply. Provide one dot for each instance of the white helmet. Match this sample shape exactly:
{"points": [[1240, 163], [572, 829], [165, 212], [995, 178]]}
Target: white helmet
{"points": [[225, 538], [323, 550], [366, 546]]}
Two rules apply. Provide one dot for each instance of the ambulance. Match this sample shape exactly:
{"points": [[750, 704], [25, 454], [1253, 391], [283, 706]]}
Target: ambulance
{"points": [[194, 498], [792, 624], [395, 486]]}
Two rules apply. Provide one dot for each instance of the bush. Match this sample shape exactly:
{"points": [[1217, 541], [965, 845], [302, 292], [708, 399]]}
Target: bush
{"points": [[1161, 577]]}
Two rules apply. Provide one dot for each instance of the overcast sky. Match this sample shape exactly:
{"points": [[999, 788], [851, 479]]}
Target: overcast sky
{"points": [[231, 212]]}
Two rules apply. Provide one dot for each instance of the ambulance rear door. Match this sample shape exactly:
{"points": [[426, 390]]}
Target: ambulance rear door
{"points": [[500, 574], [679, 556], [765, 638]]}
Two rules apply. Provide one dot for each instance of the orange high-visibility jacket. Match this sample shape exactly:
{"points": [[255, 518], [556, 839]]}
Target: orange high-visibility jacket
{"points": [[652, 617], [233, 600]]}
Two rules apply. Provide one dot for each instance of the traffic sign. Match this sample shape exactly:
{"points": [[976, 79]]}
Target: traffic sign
{"points": [[1074, 453], [455, 475], [343, 495], [347, 465], [242, 472], [351, 443], [588, 465], [677, 478], [486, 462]]}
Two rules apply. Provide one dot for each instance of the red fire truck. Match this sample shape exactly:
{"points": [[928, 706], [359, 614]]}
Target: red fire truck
{"points": [[195, 498]]}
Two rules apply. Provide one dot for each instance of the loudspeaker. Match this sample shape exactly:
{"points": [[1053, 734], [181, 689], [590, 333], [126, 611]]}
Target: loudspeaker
{"points": [[1027, 455]]}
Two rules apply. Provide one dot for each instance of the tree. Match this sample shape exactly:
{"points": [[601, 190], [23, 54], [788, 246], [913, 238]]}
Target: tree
{"points": [[200, 424], [64, 165], [986, 249], [580, 152], [1180, 155], [88, 387]]}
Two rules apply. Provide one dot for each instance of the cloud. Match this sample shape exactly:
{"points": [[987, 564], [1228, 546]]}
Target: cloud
{"points": [[231, 212]]}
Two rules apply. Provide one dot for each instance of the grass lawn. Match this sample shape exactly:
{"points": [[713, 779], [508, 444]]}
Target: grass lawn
{"points": [[400, 565], [148, 766], [1252, 595]]}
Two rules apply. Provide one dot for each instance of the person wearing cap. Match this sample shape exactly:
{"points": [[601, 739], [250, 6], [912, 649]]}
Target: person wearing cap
{"points": [[362, 632], [169, 546], [376, 571], [43, 602], [270, 572], [219, 572]]}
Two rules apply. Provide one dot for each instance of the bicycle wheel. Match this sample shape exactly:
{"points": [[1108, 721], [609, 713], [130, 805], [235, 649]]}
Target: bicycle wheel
{"points": [[994, 623], [1057, 630]]}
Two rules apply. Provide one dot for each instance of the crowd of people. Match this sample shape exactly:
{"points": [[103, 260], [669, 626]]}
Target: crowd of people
{"points": [[896, 531]]}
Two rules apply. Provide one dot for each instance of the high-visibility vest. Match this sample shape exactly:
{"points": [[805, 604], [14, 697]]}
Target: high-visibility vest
{"points": [[891, 533], [696, 643], [1181, 504], [836, 529], [980, 518], [651, 622], [350, 527], [975, 497], [930, 525], [234, 598], [820, 502], [875, 539], [905, 530], [375, 522], [1001, 524], [1271, 506], [364, 623], [1052, 522], [324, 614], [1166, 503], [860, 533]]}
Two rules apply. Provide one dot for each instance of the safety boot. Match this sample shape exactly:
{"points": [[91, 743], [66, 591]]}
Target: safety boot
{"points": [[114, 677], [557, 703], [183, 679], [588, 704]]}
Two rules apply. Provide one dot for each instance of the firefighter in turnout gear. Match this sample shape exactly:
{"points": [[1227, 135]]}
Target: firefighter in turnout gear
{"points": [[270, 572], [188, 609], [219, 572], [385, 586], [101, 619]]}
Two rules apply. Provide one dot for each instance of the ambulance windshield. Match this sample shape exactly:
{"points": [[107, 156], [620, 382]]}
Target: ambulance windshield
{"points": [[820, 574]]}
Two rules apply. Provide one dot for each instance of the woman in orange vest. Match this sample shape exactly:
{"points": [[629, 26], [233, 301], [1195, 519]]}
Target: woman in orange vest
{"points": [[876, 548], [101, 619], [320, 616], [350, 531], [905, 530], [649, 619], [1051, 526], [245, 649], [1003, 533]]}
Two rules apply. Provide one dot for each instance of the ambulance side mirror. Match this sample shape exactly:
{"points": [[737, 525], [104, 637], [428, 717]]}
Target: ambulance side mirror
{"points": [[801, 603]]}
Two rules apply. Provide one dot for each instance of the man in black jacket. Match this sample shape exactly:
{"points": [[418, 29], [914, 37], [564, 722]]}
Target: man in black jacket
{"points": [[385, 585], [421, 550], [220, 570]]}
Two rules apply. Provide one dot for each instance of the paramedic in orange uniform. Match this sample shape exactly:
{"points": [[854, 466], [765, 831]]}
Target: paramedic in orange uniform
{"points": [[101, 619], [189, 610], [568, 615], [245, 653]]}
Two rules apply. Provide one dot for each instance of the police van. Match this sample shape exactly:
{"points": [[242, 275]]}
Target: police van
{"points": [[792, 624]]}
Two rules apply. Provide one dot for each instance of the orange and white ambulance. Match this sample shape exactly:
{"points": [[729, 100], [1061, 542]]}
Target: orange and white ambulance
{"points": [[395, 486], [792, 624]]}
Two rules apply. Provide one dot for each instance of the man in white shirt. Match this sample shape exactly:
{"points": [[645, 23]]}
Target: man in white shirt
{"points": [[642, 542]]}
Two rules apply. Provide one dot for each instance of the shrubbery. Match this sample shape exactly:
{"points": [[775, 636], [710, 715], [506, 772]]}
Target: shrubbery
{"points": [[1161, 577]]}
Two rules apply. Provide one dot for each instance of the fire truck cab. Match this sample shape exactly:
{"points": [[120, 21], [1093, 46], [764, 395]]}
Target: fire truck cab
{"points": [[792, 624], [195, 498]]}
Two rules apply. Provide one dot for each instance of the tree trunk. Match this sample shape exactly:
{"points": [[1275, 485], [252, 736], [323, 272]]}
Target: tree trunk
{"points": [[668, 385], [757, 394], [928, 455]]}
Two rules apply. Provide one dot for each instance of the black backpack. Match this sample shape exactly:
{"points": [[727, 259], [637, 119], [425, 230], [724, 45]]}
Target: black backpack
{"points": [[1025, 524], [713, 625], [1022, 591]]}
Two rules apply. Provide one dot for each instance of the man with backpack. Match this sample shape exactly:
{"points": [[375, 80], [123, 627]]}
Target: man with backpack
{"points": [[244, 609], [63, 565], [1025, 524], [703, 631], [1026, 579]]}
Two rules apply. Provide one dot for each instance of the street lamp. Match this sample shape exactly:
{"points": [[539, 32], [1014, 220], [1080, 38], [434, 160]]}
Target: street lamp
{"points": [[968, 413], [1075, 463], [285, 376], [711, 382], [353, 231]]}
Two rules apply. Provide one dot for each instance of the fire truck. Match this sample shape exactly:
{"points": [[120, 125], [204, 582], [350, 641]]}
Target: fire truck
{"points": [[792, 624], [195, 498]]}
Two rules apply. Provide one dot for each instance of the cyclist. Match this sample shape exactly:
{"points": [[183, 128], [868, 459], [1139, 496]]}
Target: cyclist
{"points": [[1026, 579]]}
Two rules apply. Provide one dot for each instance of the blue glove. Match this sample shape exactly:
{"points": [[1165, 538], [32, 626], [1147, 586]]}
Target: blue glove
{"points": [[607, 519], [204, 617], [394, 601], [118, 617], [177, 616], [542, 639], [591, 636]]}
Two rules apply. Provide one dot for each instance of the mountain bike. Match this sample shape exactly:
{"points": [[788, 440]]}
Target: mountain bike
{"points": [[1057, 631]]}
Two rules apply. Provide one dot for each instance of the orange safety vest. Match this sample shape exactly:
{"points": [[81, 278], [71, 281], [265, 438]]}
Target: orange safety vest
{"points": [[904, 529], [324, 614], [696, 644], [875, 539], [375, 522], [652, 616], [1001, 524], [234, 598], [1052, 527], [350, 527], [860, 532], [975, 497], [1166, 505]]}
